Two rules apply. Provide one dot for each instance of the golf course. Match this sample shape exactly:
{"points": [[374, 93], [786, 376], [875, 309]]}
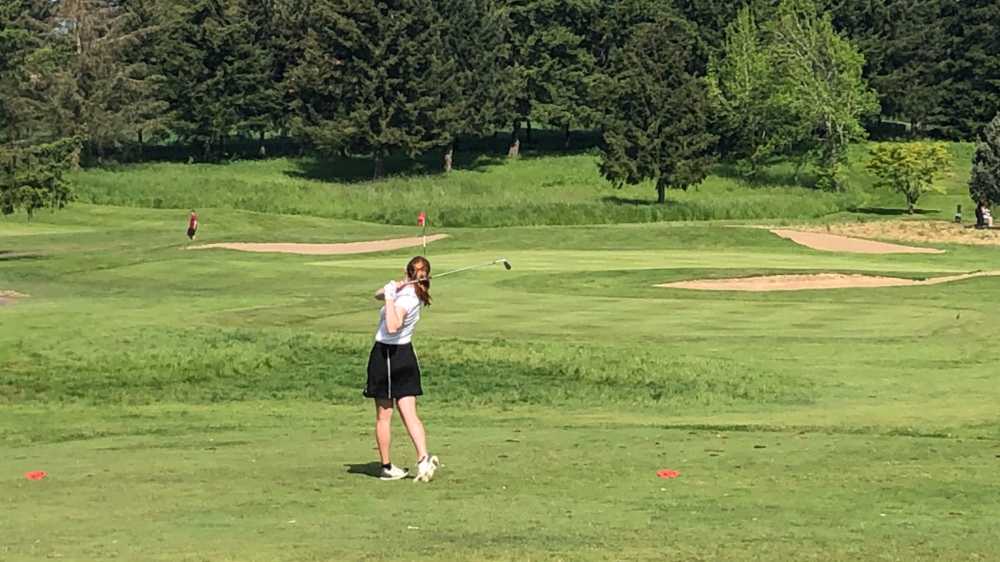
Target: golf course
{"points": [[205, 405]]}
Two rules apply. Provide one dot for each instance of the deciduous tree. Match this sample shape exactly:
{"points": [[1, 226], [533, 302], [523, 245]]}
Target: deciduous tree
{"points": [[909, 168]]}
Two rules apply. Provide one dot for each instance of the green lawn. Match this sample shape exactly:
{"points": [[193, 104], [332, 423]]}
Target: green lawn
{"points": [[205, 405]]}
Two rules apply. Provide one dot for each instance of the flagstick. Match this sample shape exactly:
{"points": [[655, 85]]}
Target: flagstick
{"points": [[425, 237]]}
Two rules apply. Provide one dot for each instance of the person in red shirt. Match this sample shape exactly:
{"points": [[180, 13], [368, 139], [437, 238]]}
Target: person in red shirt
{"points": [[193, 225]]}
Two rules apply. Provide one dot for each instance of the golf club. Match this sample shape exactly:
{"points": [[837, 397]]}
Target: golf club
{"points": [[504, 261]]}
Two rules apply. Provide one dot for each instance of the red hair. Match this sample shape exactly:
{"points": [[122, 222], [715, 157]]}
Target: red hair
{"points": [[419, 270]]}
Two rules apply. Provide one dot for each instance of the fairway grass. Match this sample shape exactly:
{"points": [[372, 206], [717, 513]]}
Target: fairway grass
{"points": [[206, 406], [289, 481]]}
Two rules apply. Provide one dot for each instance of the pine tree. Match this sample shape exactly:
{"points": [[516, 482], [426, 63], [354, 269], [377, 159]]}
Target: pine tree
{"points": [[260, 72], [372, 77], [710, 18], [906, 47], [15, 42], [985, 180], [217, 80], [114, 93], [474, 99], [613, 28], [32, 176], [34, 155], [973, 71], [551, 67], [657, 123], [37, 84], [291, 18]]}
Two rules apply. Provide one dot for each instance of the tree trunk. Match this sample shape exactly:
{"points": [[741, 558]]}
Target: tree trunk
{"points": [[527, 136], [379, 164], [799, 164], [262, 150], [515, 141], [661, 191], [449, 153], [493, 143], [566, 136]]}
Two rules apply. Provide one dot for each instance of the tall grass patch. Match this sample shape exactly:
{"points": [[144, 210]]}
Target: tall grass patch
{"points": [[226, 365], [550, 190]]}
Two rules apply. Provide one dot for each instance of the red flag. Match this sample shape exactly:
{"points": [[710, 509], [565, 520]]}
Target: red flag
{"points": [[422, 219]]}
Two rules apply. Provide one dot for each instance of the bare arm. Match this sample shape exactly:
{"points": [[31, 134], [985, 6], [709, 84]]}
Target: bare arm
{"points": [[394, 315]]}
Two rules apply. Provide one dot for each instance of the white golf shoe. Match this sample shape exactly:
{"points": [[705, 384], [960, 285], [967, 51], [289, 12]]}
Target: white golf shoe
{"points": [[426, 468], [393, 473]]}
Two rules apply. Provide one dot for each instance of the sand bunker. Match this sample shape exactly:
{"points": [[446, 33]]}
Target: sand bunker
{"points": [[7, 297], [324, 249], [836, 243], [815, 281], [922, 231]]}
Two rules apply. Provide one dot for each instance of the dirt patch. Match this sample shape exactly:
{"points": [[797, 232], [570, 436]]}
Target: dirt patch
{"points": [[8, 297], [324, 249], [837, 243], [926, 232], [815, 281]]}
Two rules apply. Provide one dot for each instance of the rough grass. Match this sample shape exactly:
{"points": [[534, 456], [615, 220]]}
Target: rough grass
{"points": [[157, 365], [532, 191], [487, 191]]}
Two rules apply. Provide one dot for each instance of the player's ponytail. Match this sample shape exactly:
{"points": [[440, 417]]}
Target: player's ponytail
{"points": [[419, 270]]}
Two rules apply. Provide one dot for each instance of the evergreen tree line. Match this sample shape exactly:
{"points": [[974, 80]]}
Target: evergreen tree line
{"points": [[670, 84]]}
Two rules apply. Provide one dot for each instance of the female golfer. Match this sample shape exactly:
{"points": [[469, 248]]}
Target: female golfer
{"points": [[393, 372]]}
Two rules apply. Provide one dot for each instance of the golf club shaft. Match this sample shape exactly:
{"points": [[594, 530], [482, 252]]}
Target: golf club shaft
{"points": [[459, 270]]}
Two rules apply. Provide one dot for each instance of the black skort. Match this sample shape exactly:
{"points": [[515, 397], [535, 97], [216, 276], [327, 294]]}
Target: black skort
{"points": [[393, 372], [192, 232]]}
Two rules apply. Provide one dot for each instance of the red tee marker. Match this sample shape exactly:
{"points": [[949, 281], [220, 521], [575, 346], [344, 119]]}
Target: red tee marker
{"points": [[422, 219], [35, 475], [668, 473]]}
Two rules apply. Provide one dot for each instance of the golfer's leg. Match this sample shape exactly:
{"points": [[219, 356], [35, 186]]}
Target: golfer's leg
{"points": [[383, 428], [408, 410]]}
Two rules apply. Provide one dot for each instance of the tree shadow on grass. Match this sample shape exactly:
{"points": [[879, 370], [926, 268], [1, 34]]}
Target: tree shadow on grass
{"points": [[476, 154], [6, 255], [372, 469], [884, 211], [360, 169], [615, 200], [768, 177]]}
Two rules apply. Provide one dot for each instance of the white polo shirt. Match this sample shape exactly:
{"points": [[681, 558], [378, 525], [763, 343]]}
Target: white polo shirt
{"points": [[406, 298]]}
